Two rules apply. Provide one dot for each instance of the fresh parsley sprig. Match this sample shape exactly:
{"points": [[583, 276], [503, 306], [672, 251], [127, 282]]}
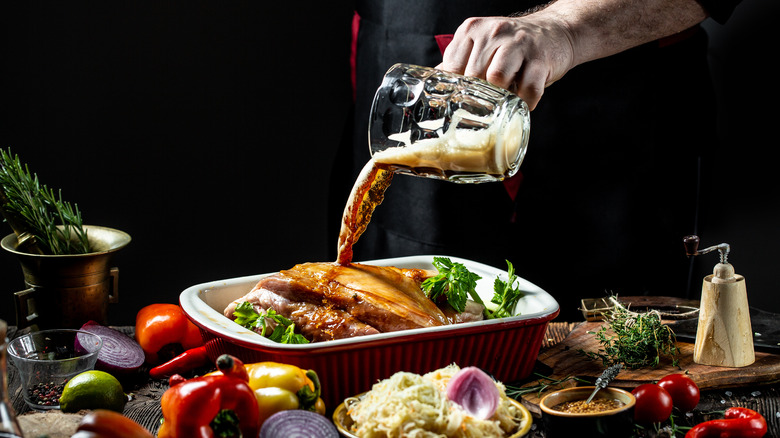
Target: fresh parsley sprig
{"points": [[506, 294], [454, 281], [284, 331]]}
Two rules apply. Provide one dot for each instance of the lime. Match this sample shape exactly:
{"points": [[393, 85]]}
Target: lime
{"points": [[93, 390]]}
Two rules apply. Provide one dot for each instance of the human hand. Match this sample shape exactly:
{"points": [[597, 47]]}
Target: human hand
{"points": [[522, 54]]}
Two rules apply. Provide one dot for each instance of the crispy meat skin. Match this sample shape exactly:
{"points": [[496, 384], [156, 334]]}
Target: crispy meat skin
{"points": [[383, 297], [331, 301]]}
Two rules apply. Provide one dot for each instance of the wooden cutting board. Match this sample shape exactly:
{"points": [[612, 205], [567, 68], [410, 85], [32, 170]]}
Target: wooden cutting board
{"points": [[565, 360]]}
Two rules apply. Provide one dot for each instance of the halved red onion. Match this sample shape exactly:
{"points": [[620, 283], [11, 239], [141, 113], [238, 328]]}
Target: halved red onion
{"points": [[475, 391], [298, 424], [120, 355]]}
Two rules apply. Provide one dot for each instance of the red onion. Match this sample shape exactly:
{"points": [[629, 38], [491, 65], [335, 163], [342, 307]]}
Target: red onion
{"points": [[475, 391], [120, 355], [298, 424]]}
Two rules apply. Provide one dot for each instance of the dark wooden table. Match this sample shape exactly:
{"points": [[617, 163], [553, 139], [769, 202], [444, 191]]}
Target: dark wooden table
{"points": [[144, 403]]}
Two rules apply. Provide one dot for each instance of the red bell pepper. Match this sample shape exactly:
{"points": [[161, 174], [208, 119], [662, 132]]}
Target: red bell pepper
{"points": [[164, 332], [210, 406], [736, 423]]}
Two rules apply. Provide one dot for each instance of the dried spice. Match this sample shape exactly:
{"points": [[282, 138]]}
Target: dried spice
{"points": [[46, 393], [584, 407]]}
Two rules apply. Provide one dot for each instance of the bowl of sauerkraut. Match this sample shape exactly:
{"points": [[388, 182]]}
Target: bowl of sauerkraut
{"points": [[413, 405]]}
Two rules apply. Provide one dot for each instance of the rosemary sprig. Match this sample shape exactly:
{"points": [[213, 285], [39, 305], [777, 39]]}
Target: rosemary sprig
{"points": [[543, 384], [634, 339], [56, 225]]}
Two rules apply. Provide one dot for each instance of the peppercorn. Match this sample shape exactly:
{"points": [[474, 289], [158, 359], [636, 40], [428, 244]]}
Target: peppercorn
{"points": [[46, 393]]}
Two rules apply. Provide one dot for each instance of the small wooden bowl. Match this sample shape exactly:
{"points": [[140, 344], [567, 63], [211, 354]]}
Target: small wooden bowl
{"points": [[613, 423]]}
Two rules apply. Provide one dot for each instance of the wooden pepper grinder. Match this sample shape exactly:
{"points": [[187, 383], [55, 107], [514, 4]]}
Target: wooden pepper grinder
{"points": [[724, 336]]}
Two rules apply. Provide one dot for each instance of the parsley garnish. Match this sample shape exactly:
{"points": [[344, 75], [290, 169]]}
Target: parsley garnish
{"points": [[284, 332], [506, 294], [455, 282]]}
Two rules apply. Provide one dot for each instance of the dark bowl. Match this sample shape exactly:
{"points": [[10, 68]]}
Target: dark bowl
{"points": [[613, 423]]}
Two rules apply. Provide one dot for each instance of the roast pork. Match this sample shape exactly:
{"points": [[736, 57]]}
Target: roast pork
{"points": [[331, 301]]}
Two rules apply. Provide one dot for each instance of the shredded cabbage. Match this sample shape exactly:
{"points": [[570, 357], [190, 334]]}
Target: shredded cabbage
{"points": [[408, 405]]}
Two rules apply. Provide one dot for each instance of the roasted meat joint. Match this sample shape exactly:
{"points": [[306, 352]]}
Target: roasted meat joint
{"points": [[327, 301]]}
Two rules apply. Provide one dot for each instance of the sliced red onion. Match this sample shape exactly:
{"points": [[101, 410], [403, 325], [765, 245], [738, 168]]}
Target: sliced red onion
{"points": [[475, 391], [298, 424], [120, 355]]}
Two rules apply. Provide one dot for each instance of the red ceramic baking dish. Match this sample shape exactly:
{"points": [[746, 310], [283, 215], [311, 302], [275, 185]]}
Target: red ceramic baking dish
{"points": [[506, 348]]}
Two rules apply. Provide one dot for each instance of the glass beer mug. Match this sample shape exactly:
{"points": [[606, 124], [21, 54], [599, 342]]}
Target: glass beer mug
{"points": [[435, 124]]}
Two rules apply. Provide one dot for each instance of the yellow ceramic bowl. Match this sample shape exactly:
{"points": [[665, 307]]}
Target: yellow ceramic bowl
{"points": [[343, 421]]}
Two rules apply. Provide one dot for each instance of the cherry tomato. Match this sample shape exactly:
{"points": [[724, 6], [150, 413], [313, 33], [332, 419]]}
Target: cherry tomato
{"points": [[685, 394], [653, 404]]}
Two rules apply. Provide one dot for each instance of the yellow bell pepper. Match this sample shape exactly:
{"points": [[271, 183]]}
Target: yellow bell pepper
{"points": [[280, 387]]}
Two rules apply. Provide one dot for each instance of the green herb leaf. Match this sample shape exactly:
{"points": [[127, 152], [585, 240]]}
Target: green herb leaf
{"points": [[506, 294], [281, 323], [245, 315], [454, 281], [289, 336], [284, 331]]}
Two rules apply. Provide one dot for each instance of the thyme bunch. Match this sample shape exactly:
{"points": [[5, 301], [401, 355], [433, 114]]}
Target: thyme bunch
{"points": [[55, 225], [634, 339]]}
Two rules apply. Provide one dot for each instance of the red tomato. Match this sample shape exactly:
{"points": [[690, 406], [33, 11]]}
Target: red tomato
{"points": [[653, 404], [684, 392]]}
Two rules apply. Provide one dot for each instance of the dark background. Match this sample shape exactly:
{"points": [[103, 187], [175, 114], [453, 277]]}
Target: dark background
{"points": [[206, 131]]}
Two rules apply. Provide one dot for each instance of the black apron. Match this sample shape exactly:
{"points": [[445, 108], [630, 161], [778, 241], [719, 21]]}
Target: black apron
{"points": [[610, 183]]}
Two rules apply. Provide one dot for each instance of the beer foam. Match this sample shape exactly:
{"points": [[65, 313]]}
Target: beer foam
{"points": [[459, 149]]}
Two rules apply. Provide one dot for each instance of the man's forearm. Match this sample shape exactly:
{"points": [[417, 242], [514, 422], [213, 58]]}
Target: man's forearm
{"points": [[601, 28]]}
